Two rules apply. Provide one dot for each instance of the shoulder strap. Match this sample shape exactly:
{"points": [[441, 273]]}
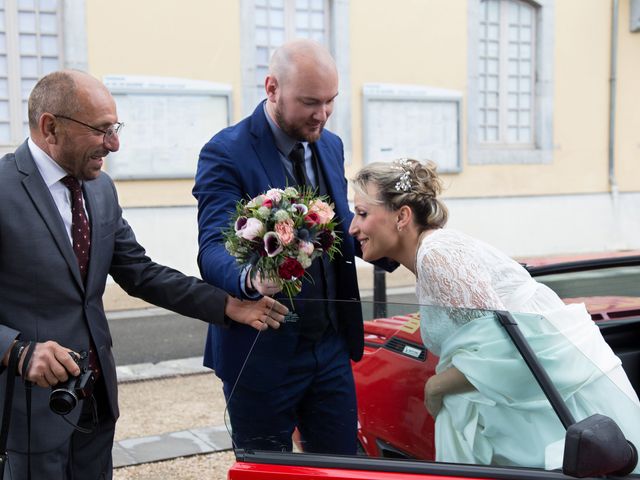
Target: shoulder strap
{"points": [[14, 357]]}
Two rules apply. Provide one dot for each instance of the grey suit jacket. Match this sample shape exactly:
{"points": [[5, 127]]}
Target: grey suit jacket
{"points": [[42, 296]]}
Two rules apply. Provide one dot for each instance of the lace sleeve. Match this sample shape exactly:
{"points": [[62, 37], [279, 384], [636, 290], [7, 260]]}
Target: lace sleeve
{"points": [[453, 277]]}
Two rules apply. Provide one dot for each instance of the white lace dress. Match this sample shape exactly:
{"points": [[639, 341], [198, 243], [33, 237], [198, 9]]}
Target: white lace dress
{"points": [[507, 420]]}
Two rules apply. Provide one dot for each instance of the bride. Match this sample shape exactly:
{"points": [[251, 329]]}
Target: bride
{"points": [[480, 398]]}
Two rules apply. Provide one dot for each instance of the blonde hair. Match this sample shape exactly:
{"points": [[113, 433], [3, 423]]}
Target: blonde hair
{"points": [[406, 182]]}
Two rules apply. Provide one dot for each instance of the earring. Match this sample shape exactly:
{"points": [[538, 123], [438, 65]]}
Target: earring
{"points": [[399, 228]]}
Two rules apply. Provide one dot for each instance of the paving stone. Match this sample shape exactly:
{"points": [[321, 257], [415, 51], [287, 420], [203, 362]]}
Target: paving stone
{"points": [[121, 457], [217, 436], [163, 447]]}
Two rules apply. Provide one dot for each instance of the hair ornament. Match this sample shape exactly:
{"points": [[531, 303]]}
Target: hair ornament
{"points": [[404, 181]]}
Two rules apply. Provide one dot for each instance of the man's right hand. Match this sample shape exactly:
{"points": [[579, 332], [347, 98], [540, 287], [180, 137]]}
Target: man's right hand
{"points": [[50, 364], [262, 285]]}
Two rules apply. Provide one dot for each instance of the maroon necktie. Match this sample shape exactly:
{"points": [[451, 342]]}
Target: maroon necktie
{"points": [[80, 228]]}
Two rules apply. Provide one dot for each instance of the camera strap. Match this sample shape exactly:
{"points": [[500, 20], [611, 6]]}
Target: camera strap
{"points": [[12, 368], [94, 417], [30, 347]]}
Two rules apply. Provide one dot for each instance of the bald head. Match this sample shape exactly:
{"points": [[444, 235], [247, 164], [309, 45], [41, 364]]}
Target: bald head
{"points": [[300, 55], [61, 93]]}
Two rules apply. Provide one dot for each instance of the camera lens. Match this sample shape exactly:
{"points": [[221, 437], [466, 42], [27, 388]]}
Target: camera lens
{"points": [[62, 401]]}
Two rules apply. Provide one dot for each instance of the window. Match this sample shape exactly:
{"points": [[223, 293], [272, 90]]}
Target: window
{"points": [[510, 94], [279, 20], [269, 23], [30, 47], [506, 73]]}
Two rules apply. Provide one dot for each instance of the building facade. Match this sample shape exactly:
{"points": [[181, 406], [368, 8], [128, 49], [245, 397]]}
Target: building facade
{"points": [[529, 107]]}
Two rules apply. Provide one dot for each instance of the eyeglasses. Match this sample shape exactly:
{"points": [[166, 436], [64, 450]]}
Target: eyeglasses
{"points": [[111, 132]]}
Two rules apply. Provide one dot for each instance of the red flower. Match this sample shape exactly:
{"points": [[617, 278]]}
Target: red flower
{"points": [[325, 239], [311, 219], [290, 269], [267, 203]]}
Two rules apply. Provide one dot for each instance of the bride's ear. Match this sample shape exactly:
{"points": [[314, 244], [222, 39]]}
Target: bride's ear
{"points": [[405, 217]]}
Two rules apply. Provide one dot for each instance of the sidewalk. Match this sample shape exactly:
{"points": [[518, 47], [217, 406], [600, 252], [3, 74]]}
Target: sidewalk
{"points": [[153, 448]]}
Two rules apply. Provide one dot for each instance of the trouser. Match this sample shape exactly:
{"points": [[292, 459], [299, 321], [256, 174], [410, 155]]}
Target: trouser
{"points": [[85, 456], [317, 395]]}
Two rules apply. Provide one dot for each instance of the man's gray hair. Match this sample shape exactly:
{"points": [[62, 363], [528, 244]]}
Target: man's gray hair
{"points": [[54, 93]]}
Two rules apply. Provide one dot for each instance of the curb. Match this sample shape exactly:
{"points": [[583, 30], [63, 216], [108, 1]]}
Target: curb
{"points": [[166, 369]]}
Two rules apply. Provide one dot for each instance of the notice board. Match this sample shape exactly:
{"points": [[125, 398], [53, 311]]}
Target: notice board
{"points": [[167, 122], [412, 121]]}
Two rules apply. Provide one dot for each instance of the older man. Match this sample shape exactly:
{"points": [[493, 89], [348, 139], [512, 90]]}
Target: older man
{"points": [[61, 234]]}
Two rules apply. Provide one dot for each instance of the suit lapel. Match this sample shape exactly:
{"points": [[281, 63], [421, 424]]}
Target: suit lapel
{"points": [[41, 197], [333, 179], [265, 148]]}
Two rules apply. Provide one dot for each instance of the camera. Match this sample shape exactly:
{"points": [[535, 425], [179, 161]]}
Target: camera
{"points": [[65, 396]]}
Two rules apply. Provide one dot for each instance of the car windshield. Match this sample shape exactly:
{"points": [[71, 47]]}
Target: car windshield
{"points": [[493, 413]]}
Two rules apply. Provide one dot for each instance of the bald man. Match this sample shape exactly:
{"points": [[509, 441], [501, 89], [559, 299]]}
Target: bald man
{"points": [[301, 375], [61, 234]]}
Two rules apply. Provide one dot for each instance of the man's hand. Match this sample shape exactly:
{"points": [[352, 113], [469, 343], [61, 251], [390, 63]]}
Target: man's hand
{"points": [[261, 315], [50, 364], [262, 285]]}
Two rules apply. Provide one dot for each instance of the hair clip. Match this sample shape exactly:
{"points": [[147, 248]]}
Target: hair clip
{"points": [[404, 181]]}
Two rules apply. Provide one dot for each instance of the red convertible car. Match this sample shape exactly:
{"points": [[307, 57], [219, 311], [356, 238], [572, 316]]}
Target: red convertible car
{"points": [[396, 434]]}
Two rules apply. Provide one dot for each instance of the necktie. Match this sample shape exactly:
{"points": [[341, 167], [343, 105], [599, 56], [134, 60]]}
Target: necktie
{"points": [[297, 159], [80, 228]]}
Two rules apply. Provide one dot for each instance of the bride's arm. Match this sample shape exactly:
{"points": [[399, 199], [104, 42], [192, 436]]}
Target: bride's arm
{"points": [[450, 381], [453, 277]]}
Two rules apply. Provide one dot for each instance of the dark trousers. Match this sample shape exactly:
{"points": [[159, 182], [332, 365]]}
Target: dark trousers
{"points": [[86, 456], [317, 395]]}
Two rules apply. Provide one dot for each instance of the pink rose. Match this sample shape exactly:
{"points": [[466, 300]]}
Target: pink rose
{"points": [[249, 229], [324, 211], [285, 231]]}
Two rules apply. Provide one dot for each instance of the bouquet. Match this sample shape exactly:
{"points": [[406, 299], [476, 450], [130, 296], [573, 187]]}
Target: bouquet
{"points": [[280, 233]]}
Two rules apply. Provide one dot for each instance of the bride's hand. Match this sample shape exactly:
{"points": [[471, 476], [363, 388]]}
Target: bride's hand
{"points": [[432, 398]]}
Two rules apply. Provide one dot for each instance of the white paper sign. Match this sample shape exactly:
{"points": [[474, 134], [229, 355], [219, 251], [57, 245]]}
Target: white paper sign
{"points": [[413, 122], [167, 121]]}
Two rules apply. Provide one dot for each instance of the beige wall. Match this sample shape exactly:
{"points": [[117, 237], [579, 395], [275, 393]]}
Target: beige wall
{"points": [[408, 43], [628, 106], [194, 39], [426, 43], [421, 42], [412, 42]]}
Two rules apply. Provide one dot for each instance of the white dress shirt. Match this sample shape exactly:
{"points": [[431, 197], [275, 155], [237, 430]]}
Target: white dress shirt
{"points": [[52, 173]]}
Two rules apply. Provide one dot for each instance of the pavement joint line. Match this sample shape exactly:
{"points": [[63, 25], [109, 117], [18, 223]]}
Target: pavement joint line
{"points": [[167, 446]]}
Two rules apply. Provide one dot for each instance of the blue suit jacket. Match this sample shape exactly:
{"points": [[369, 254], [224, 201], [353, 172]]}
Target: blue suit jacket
{"points": [[239, 162]]}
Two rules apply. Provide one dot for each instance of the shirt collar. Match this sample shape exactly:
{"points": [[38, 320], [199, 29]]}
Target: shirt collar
{"points": [[284, 142], [51, 172]]}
